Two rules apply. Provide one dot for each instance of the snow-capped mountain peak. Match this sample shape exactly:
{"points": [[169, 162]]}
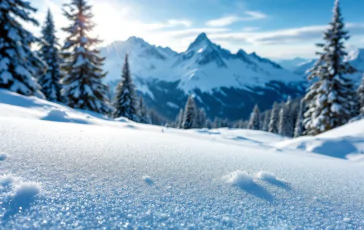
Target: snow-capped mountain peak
{"points": [[200, 43], [355, 55], [161, 73]]}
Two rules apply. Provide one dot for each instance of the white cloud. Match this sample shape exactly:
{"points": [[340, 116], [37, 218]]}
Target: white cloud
{"points": [[228, 20], [225, 21]]}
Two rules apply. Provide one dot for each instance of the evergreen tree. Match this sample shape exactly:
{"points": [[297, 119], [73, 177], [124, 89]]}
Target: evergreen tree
{"points": [[201, 118], [254, 119], [179, 119], [266, 120], [82, 84], [286, 123], [189, 117], [361, 96], [225, 123], [330, 100], [144, 115], [274, 119], [156, 118], [50, 81], [19, 65], [209, 124], [217, 123], [299, 128], [125, 97]]}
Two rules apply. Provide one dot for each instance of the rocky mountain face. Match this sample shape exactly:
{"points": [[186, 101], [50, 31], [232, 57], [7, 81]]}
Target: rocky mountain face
{"points": [[225, 84]]}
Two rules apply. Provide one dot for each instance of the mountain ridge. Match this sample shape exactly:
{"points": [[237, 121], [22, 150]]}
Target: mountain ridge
{"points": [[225, 84]]}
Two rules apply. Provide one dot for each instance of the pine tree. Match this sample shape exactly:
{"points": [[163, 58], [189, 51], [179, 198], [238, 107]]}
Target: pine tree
{"points": [[286, 122], [254, 119], [209, 124], [266, 120], [330, 100], [201, 118], [144, 115], [50, 81], [125, 99], [299, 128], [361, 96], [189, 116], [274, 119], [179, 119], [225, 123], [156, 118], [82, 84], [19, 65], [217, 123]]}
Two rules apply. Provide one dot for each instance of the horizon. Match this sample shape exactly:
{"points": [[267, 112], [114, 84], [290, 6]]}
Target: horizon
{"points": [[257, 26]]}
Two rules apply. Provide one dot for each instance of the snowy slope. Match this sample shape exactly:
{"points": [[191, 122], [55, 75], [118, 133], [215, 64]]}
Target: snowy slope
{"points": [[112, 174], [291, 64], [204, 65], [346, 142]]}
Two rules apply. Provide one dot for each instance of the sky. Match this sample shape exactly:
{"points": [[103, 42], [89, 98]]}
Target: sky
{"points": [[277, 29]]}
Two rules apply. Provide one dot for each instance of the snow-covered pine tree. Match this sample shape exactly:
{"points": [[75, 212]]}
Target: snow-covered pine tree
{"points": [[82, 83], [286, 121], [361, 96], [274, 119], [49, 52], [201, 118], [143, 112], [299, 127], [266, 120], [209, 124], [179, 119], [224, 123], [330, 100], [189, 117], [19, 65], [217, 123], [125, 98], [254, 119]]}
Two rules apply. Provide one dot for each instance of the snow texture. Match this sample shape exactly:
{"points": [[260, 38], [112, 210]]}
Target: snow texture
{"points": [[3, 156], [87, 176]]}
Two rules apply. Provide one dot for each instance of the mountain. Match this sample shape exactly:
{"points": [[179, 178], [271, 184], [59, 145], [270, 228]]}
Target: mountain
{"points": [[291, 64], [225, 84], [355, 57]]}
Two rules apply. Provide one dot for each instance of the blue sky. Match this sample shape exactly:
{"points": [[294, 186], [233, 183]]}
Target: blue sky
{"points": [[279, 29]]}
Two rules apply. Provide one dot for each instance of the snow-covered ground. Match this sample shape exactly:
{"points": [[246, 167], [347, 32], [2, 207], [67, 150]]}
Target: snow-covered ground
{"points": [[62, 168]]}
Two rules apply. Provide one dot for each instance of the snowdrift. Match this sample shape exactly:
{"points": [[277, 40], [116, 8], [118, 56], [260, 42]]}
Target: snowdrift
{"points": [[63, 168], [346, 142]]}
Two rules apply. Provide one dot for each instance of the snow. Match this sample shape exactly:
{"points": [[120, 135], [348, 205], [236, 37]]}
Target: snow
{"points": [[345, 142], [3, 156], [204, 65], [147, 179], [239, 178], [85, 176]]}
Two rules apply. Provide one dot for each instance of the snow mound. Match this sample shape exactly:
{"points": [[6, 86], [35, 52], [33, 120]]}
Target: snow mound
{"points": [[8, 180], [239, 178], [21, 198], [3, 156], [272, 179], [147, 179], [245, 182], [25, 191], [343, 142], [58, 115]]}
